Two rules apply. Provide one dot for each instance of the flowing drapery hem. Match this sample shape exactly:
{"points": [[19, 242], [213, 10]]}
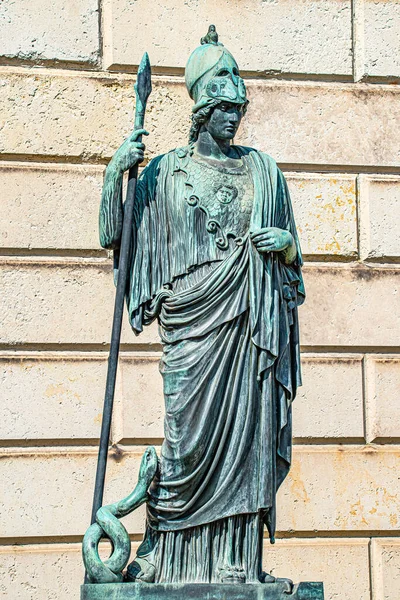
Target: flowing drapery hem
{"points": [[210, 553]]}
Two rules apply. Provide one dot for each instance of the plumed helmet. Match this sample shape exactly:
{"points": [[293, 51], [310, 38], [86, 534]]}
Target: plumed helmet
{"points": [[212, 74]]}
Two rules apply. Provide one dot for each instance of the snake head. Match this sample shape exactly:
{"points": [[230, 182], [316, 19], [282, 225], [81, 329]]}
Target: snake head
{"points": [[148, 465], [148, 468]]}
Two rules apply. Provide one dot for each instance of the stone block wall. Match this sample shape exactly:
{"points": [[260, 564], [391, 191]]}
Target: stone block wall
{"points": [[323, 81]]}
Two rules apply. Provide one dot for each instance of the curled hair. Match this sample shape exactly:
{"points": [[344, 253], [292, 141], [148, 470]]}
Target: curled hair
{"points": [[199, 118]]}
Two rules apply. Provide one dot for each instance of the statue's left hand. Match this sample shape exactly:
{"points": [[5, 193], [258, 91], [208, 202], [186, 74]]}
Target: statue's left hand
{"points": [[271, 239]]}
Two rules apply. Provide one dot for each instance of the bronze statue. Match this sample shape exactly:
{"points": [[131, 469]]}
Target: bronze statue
{"points": [[211, 37], [216, 260]]}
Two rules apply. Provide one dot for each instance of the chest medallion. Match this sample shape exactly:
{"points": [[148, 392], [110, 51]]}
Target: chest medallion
{"points": [[224, 195]]}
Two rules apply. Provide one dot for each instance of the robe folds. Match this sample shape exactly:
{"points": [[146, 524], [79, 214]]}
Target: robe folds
{"points": [[230, 338]]}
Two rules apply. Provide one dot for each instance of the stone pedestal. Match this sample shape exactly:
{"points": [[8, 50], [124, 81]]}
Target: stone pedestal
{"points": [[201, 591]]}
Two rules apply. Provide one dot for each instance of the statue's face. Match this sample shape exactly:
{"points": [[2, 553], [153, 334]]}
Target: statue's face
{"points": [[224, 121]]}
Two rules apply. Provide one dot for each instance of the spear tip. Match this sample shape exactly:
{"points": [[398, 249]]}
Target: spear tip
{"points": [[144, 63], [143, 82]]}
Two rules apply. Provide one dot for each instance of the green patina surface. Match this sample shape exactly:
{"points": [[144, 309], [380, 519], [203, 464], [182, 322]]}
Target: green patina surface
{"points": [[215, 258], [135, 591]]}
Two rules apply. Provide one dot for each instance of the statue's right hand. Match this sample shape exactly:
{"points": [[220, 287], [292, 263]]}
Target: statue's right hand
{"points": [[130, 153]]}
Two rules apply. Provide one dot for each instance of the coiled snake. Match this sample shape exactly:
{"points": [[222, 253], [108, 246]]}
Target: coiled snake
{"points": [[108, 526]]}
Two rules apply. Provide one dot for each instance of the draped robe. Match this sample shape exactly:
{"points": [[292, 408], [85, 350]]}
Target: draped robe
{"points": [[230, 346]]}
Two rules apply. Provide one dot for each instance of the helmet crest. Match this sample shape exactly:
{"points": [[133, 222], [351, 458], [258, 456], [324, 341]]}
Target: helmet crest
{"points": [[212, 74]]}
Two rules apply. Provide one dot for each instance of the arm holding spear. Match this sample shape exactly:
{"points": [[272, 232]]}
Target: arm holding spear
{"points": [[116, 233], [128, 156]]}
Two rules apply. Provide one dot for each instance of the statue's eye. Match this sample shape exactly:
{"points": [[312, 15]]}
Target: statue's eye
{"points": [[235, 71], [223, 73]]}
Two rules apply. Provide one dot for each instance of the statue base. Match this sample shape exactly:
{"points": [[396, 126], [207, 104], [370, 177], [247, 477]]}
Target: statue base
{"points": [[201, 591]]}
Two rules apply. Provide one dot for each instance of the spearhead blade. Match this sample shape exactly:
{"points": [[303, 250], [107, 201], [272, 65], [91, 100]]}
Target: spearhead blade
{"points": [[143, 81]]}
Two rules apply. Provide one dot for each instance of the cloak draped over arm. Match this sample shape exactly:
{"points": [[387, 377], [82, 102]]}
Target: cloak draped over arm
{"points": [[276, 290], [111, 210]]}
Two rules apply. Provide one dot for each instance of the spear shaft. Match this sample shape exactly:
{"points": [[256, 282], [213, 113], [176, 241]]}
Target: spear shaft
{"points": [[142, 91]]}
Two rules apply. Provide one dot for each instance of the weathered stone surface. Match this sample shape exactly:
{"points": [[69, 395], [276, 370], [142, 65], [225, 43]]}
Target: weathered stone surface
{"points": [[55, 571], [52, 396], [34, 31], [339, 488], [322, 123], [62, 296], [41, 572], [50, 206], [350, 306], [323, 560], [73, 300], [55, 114], [71, 114], [143, 402], [382, 43], [52, 489], [285, 36], [325, 212], [386, 568], [330, 402], [382, 397], [379, 209], [330, 488]]}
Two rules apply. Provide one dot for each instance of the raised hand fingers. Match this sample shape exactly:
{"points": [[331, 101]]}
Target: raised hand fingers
{"points": [[137, 133]]}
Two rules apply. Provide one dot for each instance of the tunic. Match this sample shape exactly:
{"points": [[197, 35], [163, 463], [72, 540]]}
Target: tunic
{"points": [[230, 364]]}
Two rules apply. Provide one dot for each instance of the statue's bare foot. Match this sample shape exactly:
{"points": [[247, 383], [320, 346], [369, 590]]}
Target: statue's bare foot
{"points": [[230, 574], [141, 570]]}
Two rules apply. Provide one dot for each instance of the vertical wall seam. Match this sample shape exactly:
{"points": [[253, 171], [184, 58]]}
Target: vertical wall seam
{"points": [[370, 563], [375, 569], [358, 210], [368, 412], [363, 218], [358, 39], [107, 34], [100, 33]]}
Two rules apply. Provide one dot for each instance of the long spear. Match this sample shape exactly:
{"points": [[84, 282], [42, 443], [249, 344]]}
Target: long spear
{"points": [[142, 92]]}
